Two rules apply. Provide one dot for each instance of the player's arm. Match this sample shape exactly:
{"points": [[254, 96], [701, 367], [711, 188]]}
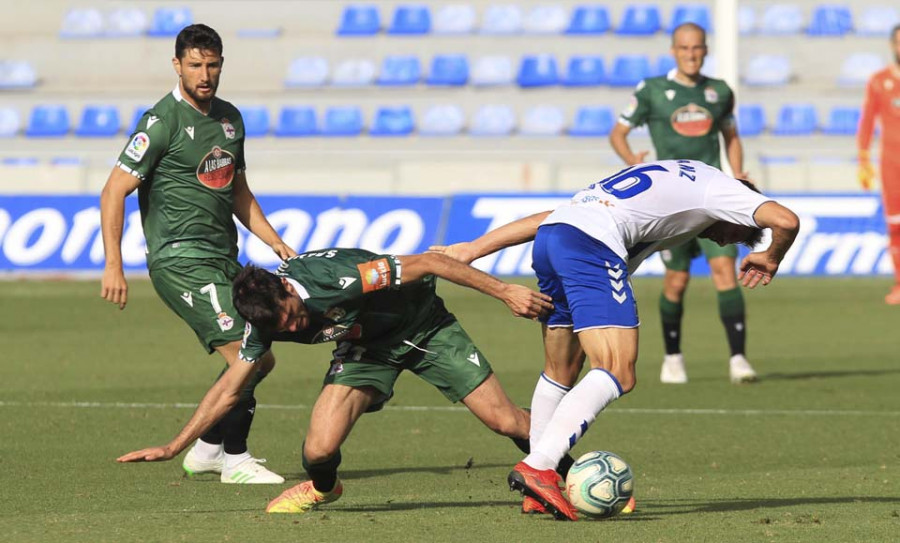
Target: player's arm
{"points": [[763, 265], [521, 300], [248, 211], [514, 233], [635, 114], [113, 286], [618, 139], [734, 149], [866, 172]]}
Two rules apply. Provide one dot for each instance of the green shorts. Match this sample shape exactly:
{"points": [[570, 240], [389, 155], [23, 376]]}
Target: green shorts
{"points": [[199, 291], [448, 360], [679, 258]]}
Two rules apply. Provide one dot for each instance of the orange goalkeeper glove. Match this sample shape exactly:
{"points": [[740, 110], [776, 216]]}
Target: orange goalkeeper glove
{"points": [[866, 173]]}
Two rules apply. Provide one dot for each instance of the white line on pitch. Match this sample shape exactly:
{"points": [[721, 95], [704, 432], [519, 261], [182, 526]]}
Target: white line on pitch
{"points": [[622, 410]]}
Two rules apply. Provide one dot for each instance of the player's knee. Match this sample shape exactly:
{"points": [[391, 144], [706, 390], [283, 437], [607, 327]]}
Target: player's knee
{"points": [[675, 285], [317, 451], [511, 424]]}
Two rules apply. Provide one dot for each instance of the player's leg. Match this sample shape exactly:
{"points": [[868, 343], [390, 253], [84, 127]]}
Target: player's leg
{"points": [[890, 194], [671, 308]]}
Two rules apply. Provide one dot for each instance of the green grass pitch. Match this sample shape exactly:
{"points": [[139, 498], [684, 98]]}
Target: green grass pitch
{"points": [[811, 453]]}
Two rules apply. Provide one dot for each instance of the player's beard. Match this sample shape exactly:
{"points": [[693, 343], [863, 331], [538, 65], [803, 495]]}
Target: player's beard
{"points": [[195, 96]]}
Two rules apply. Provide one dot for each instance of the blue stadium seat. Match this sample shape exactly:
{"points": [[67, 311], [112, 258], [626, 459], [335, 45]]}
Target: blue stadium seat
{"points": [[342, 121], [392, 121], [629, 70], [359, 20], [126, 22], [537, 71], [307, 72], [99, 121], [48, 121], [296, 121], [493, 120], [842, 121], [796, 120], [454, 19], [746, 20], [66, 161], [691, 13], [593, 121], [168, 22], [452, 70], [546, 19], [20, 161], [751, 120], [492, 71], [136, 117], [588, 20], [442, 120], [411, 20], [768, 71], [9, 122], [502, 19], [781, 19], [664, 63], [256, 121], [858, 68], [82, 23], [585, 71], [640, 20], [830, 20], [17, 74], [542, 120], [399, 70], [877, 21]]}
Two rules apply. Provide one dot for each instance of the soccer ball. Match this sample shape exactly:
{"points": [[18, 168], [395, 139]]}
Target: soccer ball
{"points": [[599, 484]]}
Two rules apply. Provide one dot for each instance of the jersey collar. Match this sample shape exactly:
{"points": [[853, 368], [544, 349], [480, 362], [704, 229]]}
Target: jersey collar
{"points": [[674, 71], [176, 93], [298, 288]]}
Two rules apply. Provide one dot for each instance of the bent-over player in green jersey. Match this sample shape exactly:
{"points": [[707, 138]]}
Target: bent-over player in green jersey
{"points": [[685, 112], [186, 160], [385, 317]]}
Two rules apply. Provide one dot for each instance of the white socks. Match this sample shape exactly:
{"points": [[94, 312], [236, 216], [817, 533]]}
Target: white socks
{"points": [[207, 451], [547, 395], [233, 460], [571, 419]]}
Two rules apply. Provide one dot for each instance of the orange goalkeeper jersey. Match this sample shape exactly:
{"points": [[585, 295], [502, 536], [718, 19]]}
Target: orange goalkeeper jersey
{"points": [[882, 102]]}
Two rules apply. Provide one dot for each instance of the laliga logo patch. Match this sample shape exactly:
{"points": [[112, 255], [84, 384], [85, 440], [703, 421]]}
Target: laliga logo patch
{"points": [[226, 322], [138, 146], [216, 170], [228, 128]]}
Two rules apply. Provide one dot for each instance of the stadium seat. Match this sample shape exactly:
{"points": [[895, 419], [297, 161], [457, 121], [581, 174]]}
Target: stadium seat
{"points": [[768, 71], [17, 74], [168, 22], [842, 121], [781, 19], [450, 70], [392, 121], [136, 117], [411, 20], [442, 120], [746, 20], [342, 121], [20, 161], [296, 121], [399, 70], [639, 20], [830, 20], [751, 120], [691, 13], [307, 72], [454, 19], [493, 120], [82, 23], [537, 71], [48, 121], [256, 121], [664, 63], [545, 19], [354, 73], [593, 121], [796, 120], [585, 71], [588, 20], [359, 20], [66, 161], [543, 120], [126, 22], [9, 122], [98, 121], [492, 71], [502, 19], [877, 21], [858, 68], [629, 70]]}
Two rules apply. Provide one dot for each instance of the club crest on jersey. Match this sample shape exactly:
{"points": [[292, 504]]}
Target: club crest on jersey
{"points": [[216, 170], [692, 120], [335, 314], [138, 146], [228, 128], [225, 322], [710, 95], [338, 331]]}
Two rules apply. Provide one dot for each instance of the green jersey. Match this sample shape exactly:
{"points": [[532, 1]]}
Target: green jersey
{"points": [[355, 296], [186, 162], [684, 121]]}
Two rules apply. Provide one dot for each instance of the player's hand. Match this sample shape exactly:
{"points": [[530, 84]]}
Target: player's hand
{"points": [[865, 174], [462, 252], [151, 454], [745, 176], [527, 303], [757, 268], [283, 250], [114, 287], [640, 157]]}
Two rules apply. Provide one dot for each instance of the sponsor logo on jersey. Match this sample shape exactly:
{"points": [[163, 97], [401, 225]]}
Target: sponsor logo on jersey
{"points": [[138, 146], [375, 275], [216, 170], [338, 331], [190, 131], [151, 121], [228, 128], [692, 120], [225, 322], [335, 313], [710, 95], [346, 282]]}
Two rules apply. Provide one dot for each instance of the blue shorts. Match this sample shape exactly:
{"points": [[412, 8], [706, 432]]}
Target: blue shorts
{"points": [[588, 282]]}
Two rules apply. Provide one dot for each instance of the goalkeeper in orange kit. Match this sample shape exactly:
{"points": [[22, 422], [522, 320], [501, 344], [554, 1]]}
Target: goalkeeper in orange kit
{"points": [[883, 103]]}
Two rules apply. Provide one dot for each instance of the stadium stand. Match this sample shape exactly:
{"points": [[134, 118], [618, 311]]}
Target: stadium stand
{"points": [[410, 20], [665, 63], [842, 121], [546, 19], [442, 120], [454, 19], [449, 70], [493, 71], [82, 23], [537, 71], [746, 20], [48, 121], [592, 121], [9, 122], [857, 68], [167, 22], [589, 20], [359, 20], [99, 121], [296, 121], [751, 119], [342, 121], [796, 120], [136, 117], [126, 23], [399, 71], [542, 120], [307, 72], [781, 19], [493, 120], [256, 121], [502, 19], [877, 20], [17, 74], [640, 20], [691, 13], [768, 71], [830, 20], [585, 71], [629, 70], [392, 121], [354, 73]]}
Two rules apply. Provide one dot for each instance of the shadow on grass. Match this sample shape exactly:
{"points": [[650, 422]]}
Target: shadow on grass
{"points": [[826, 374], [352, 474], [682, 507]]}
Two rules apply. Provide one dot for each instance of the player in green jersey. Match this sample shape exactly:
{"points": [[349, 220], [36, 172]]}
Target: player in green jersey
{"points": [[686, 111], [384, 315], [186, 160]]}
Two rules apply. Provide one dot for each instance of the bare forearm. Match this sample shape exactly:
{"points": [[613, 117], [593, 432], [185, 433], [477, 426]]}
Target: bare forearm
{"points": [[735, 152], [215, 404], [251, 215], [416, 267], [782, 239], [618, 139], [514, 233], [112, 220]]}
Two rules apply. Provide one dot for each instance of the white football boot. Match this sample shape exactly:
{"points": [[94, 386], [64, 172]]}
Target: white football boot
{"points": [[250, 472], [673, 370], [193, 464], [740, 370]]}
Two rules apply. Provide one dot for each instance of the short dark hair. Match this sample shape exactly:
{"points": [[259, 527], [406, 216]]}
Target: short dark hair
{"points": [[197, 36], [257, 295], [750, 185]]}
